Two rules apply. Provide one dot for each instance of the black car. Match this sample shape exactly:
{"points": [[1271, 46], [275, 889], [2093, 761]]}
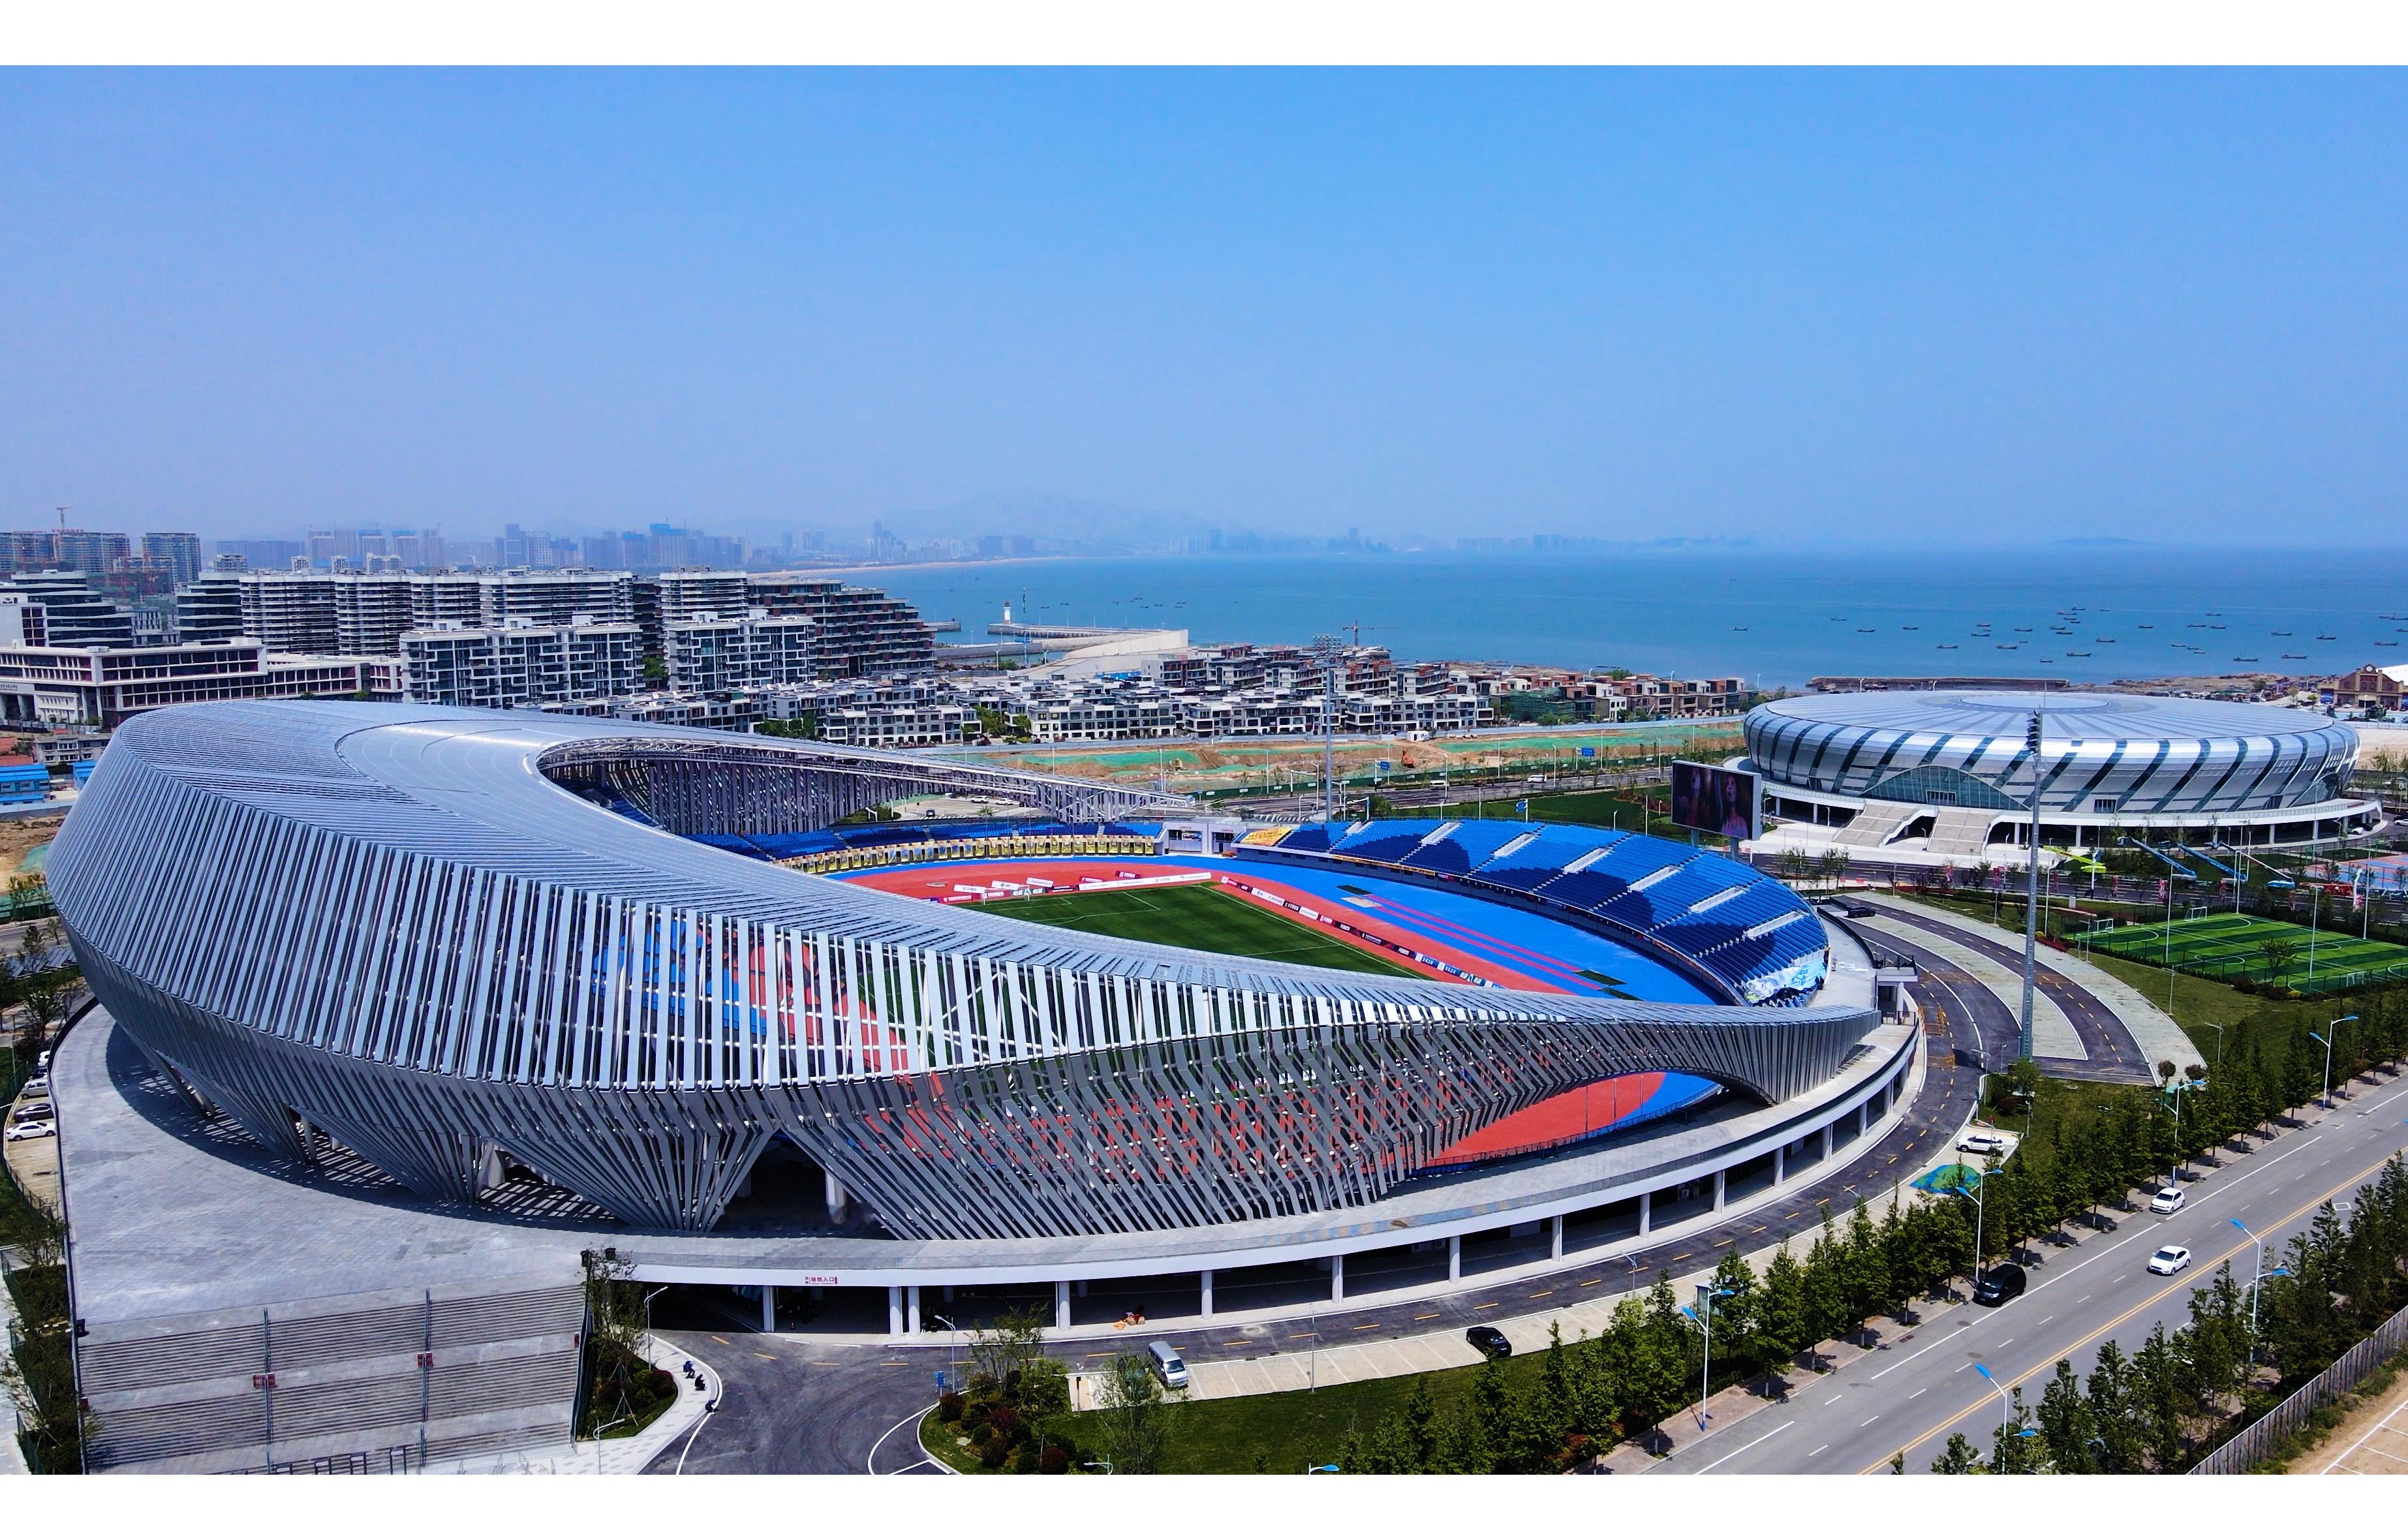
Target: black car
{"points": [[1490, 1341], [1998, 1285]]}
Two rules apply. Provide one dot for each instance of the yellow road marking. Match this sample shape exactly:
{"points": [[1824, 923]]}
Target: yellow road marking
{"points": [[2180, 1282]]}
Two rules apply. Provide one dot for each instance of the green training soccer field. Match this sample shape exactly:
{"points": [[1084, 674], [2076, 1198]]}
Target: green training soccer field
{"points": [[2230, 946], [1202, 917]]}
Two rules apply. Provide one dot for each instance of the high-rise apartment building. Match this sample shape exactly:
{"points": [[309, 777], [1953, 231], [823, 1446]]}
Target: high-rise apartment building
{"points": [[709, 654], [520, 663], [180, 554], [861, 632], [74, 613]]}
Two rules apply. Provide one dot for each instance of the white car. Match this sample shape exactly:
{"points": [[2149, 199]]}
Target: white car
{"points": [[2168, 1200], [39, 1085], [1982, 1144], [2169, 1259], [32, 1130]]}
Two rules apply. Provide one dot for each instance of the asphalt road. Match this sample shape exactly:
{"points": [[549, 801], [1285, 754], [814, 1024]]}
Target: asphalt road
{"points": [[789, 1404], [1919, 1387], [793, 1403], [2112, 1053]]}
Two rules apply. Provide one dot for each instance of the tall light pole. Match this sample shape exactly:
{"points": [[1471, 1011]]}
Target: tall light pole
{"points": [[2031, 901], [1980, 1209], [1327, 647], [2256, 1278], [2005, 1406], [1704, 1316], [2326, 1099]]}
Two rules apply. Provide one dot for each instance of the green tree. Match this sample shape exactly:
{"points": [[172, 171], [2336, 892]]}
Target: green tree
{"points": [[1958, 1458], [1134, 1419]]}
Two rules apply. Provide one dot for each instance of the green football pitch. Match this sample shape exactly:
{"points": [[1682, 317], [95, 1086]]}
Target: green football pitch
{"points": [[1199, 915], [2230, 946]]}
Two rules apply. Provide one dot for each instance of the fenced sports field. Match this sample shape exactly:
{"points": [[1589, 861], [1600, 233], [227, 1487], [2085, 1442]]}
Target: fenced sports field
{"points": [[2231, 947]]}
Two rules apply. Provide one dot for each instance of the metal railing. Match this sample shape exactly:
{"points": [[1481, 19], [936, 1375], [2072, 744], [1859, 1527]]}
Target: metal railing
{"points": [[2247, 1448]]}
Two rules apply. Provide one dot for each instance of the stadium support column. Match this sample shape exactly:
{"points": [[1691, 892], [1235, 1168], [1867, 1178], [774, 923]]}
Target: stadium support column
{"points": [[1337, 1277], [769, 1308], [2032, 895], [911, 1310], [1455, 1259], [894, 1311], [1720, 1186], [1555, 1242], [1646, 1212], [1781, 1165], [1062, 1305], [1206, 1291]]}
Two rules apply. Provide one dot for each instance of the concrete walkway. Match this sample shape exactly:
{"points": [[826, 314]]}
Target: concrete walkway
{"points": [[606, 1456], [2052, 1034], [2158, 1036]]}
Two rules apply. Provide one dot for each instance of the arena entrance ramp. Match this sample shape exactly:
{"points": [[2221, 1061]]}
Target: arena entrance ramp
{"points": [[1877, 824]]}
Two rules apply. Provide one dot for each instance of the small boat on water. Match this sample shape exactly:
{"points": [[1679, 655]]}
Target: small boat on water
{"points": [[2244, 660], [2294, 657], [1864, 630], [2322, 637], [1948, 646], [2387, 644], [2147, 626], [2077, 654]]}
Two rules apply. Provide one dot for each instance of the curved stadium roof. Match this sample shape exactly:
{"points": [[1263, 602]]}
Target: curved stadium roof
{"points": [[433, 933]]}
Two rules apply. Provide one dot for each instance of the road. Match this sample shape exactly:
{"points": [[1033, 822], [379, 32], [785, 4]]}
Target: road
{"points": [[1918, 1389], [2112, 1053], [794, 1404], [789, 1404]]}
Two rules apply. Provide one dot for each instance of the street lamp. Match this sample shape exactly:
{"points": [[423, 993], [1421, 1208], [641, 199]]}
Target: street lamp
{"points": [[1984, 1370], [2320, 1037], [1103, 1465], [1704, 1317], [648, 1313], [1980, 1210], [2259, 1277]]}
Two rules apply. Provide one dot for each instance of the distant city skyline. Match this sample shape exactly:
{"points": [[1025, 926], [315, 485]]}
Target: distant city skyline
{"points": [[1785, 307]]}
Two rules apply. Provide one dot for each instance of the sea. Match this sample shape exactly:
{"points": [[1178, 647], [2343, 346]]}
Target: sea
{"points": [[2080, 613]]}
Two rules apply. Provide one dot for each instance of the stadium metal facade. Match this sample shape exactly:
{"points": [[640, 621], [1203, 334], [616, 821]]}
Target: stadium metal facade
{"points": [[433, 934], [2105, 762]]}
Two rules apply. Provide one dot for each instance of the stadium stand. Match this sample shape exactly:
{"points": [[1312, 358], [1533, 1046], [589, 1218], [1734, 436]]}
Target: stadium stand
{"points": [[1744, 929]]}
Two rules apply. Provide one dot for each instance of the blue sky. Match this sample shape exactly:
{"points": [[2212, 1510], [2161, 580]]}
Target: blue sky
{"points": [[1944, 308]]}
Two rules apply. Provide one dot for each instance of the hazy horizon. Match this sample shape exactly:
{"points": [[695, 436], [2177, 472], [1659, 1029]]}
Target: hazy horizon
{"points": [[1966, 310]]}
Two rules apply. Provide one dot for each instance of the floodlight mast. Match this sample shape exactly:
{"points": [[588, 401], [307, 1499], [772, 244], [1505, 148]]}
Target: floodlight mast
{"points": [[2031, 896], [1328, 646]]}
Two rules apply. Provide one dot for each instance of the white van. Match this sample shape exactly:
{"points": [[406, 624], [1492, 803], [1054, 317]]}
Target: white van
{"points": [[1167, 1365]]}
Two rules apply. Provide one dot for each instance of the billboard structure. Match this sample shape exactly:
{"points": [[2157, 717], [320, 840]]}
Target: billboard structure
{"points": [[1715, 801]]}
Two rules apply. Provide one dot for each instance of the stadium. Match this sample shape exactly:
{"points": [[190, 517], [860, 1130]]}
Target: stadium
{"points": [[1925, 773], [668, 974]]}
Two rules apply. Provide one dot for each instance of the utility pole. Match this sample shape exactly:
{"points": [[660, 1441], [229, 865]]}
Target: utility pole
{"points": [[2032, 895]]}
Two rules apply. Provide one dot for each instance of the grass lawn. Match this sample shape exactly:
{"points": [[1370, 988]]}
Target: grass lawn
{"points": [[2233, 947], [1278, 1434], [2197, 1000], [1600, 809], [1201, 916]]}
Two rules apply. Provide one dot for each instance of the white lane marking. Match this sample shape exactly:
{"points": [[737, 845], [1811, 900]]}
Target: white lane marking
{"points": [[1918, 1353], [871, 1464], [1918, 1393], [1834, 1402], [1871, 1420], [2009, 1343], [1811, 1453], [2384, 1426], [1751, 1444]]}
